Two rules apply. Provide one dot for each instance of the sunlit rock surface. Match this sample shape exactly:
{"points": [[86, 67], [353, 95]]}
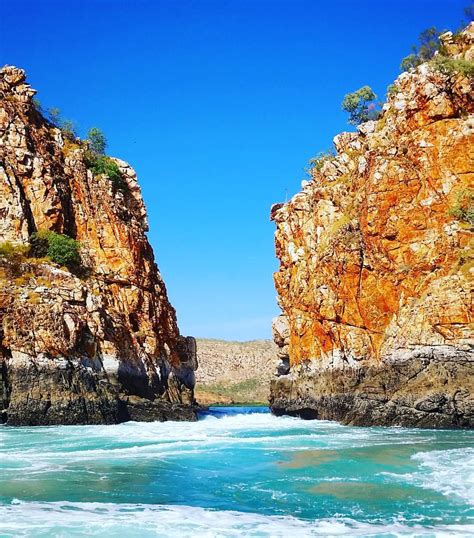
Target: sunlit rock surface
{"points": [[95, 348], [376, 273]]}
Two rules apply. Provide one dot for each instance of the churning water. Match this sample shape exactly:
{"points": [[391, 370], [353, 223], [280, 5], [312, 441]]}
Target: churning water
{"points": [[235, 472]]}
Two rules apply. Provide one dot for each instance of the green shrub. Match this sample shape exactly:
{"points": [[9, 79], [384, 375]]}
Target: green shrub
{"points": [[392, 89], [361, 106], [37, 105], [101, 164], [13, 251], [428, 45], [54, 116], [449, 66], [463, 209], [67, 127], [316, 163], [96, 141], [60, 248]]}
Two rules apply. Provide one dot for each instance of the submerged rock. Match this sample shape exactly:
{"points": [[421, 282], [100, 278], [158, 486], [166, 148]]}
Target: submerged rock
{"points": [[99, 344], [376, 265]]}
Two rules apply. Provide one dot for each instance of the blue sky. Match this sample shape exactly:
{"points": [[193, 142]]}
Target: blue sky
{"points": [[218, 105]]}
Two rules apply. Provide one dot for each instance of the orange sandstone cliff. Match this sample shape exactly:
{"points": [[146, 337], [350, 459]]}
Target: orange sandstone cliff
{"points": [[376, 264], [98, 347]]}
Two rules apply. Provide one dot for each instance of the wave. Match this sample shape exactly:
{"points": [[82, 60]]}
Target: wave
{"points": [[450, 472], [41, 519]]}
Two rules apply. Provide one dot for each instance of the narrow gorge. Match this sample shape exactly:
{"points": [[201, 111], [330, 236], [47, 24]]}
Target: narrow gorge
{"points": [[376, 262], [96, 342]]}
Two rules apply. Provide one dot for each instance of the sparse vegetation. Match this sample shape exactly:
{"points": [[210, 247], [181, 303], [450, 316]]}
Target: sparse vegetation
{"points": [[94, 149], [316, 163], [250, 391], [430, 49], [13, 251], [67, 127], [60, 248], [37, 104], [96, 141], [449, 66], [463, 208], [361, 105], [392, 89], [101, 164], [428, 45]]}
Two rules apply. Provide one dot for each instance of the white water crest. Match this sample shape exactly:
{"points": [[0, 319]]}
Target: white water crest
{"points": [[111, 520], [235, 475]]}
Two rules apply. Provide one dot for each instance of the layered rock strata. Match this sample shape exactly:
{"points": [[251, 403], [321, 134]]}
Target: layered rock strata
{"points": [[376, 264], [101, 345]]}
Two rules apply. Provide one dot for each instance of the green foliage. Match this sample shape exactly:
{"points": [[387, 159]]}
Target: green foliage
{"points": [[463, 209], [450, 66], [392, 89], [101, 164], [428, 45], [316, 163], [67, 127], [13, 251], [60, 248], [96, 141], [54, 116], [361, 106], [37, 104]]}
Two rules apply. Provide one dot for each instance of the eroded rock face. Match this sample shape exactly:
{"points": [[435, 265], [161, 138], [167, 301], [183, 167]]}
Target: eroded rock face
{"points": [[101, 347], [375, 279]]}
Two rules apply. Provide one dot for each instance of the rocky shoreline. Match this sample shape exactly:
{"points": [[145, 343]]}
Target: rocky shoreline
{"points": [[425, 388]]}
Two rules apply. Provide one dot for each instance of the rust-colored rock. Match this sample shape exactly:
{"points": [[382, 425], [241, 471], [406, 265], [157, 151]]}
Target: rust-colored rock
{"points": [[376, 270], [103, 346]]}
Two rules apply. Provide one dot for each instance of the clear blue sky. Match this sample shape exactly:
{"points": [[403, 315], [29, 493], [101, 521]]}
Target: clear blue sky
{"points": [[218, 105]]}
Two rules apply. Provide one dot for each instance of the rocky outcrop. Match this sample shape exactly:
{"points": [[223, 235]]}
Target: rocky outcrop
{"points": [[234, 372], [376, 264], [100, 345]]}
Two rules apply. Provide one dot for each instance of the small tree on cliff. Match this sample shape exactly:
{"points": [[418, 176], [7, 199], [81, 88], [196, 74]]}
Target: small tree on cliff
{"points": [[96, 141], [361, 105], [428, 45], [67, 127], [99, 163]]}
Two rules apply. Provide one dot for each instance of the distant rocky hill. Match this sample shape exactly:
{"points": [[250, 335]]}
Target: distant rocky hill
{"points": [[234, 372]]}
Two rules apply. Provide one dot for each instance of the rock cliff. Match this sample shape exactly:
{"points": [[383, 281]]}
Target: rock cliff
{"points": [[100, 345], [376, 264]]}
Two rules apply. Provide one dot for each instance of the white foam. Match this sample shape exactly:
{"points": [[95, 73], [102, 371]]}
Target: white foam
{"points": [[450, 472], [140, 520]]}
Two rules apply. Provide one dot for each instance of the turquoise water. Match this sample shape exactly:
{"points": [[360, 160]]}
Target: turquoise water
{"points": [[235, 472]]}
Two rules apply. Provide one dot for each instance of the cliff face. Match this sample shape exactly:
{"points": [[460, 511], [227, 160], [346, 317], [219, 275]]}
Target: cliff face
{"points": [[98, 347], [376, 264]]}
